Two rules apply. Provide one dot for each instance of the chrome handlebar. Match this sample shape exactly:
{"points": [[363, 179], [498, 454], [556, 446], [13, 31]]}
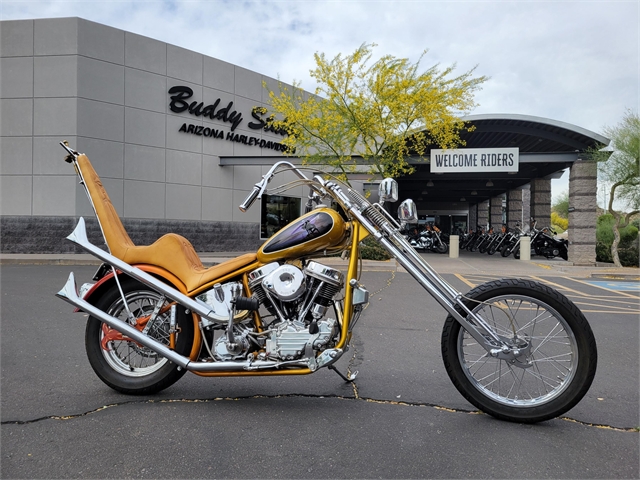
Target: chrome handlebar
{"points": [[246, 205]]}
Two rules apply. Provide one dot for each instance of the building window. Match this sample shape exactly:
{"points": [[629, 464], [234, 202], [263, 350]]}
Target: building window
{"points": [[277, 211]]}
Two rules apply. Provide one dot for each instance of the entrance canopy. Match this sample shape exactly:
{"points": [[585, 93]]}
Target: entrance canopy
{"points": [[546, 146]]}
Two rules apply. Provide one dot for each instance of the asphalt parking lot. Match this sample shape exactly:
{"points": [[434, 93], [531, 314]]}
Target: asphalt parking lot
{"points": [[402, 418]]}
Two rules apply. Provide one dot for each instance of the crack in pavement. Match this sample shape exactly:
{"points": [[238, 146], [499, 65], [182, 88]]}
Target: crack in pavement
{"points": [[296, 395], [356, 397]]}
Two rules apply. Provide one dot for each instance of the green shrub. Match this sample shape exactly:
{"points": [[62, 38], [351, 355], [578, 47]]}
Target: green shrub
{"points": [[372, 250], [559, 221], [603, 252], [629, 256], [604, 231], [628, 247]]}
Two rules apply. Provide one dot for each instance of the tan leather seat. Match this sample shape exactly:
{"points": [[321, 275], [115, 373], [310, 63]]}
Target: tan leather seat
{"points": [[172, 252]]}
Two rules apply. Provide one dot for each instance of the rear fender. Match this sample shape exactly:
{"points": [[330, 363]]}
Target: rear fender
{"points": [[107, 281]]}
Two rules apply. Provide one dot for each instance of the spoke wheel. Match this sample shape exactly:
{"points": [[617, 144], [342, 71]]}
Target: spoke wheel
{"points": [[127, 357], [122, 363], [559, 352]]}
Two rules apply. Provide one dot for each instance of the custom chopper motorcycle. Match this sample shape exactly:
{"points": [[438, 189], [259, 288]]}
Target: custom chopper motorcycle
{"points": [[516, 349]]}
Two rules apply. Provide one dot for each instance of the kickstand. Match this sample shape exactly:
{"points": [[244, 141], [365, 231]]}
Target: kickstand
{"points": [[350, 378]]}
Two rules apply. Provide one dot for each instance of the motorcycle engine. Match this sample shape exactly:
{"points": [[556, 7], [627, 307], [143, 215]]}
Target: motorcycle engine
{"points": [[299, 300], [296, 299]]}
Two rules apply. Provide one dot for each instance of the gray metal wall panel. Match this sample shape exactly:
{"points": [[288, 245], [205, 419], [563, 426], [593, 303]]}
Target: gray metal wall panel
{"points": [[144, 199], [15, 195], [54, 195], [55, 76], [101, 42], [16, 156], [184, 167], [145, 90], [184, 64], [100, 80], [16, 117], [55, 116], [145, 53], [144, 163], [183, 202], [17, 77], [16, 38], [217, 204], [55, 36], [218, 74]]}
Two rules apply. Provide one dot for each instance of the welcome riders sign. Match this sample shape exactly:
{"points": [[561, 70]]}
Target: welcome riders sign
{"points": [[475, 160]]}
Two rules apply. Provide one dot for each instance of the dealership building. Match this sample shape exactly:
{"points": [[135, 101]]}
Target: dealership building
{"points": [[179, 138]]}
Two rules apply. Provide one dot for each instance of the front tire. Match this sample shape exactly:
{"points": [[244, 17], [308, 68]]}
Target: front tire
{"points": [[127, 366], [562, 352], [441, 248]]}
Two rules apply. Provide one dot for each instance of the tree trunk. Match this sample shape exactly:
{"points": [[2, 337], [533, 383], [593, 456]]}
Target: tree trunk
{"points": [[616, 242]]}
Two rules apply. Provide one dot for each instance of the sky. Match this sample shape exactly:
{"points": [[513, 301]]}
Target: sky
{"points": [[572, 61]]}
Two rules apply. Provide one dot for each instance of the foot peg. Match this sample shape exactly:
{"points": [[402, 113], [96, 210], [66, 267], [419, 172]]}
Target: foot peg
{"points": [[350, 376]]}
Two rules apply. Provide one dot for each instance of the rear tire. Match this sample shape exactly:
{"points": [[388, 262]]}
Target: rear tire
{"points": [[127, 366], [562, 352]]}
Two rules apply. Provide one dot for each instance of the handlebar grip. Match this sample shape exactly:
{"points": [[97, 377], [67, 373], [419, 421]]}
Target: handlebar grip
{"points": [[244, 206]]}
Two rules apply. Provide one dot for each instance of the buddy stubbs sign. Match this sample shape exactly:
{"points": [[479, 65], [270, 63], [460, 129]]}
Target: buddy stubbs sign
{"points": [[475, 160], [181, 102]]}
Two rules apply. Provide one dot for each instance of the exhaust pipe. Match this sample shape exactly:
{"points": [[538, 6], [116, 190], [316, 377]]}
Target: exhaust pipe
{"points": [[79, 237], [69, 293]]}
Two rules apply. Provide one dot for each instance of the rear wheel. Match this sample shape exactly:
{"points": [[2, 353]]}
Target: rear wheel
{"points": [[123, 364], [559, 356], [563, 253]]}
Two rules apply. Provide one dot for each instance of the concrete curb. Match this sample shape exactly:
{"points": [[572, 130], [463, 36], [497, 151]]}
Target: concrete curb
{"points": [[465, 265]]}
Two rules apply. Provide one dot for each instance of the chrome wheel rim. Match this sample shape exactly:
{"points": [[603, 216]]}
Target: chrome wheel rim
{"points": [[553, 353], [127, 357]]}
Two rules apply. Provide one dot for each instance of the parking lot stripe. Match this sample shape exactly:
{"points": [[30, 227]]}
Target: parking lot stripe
{"points": [[560, 287], [472, 285], [607, 289]]}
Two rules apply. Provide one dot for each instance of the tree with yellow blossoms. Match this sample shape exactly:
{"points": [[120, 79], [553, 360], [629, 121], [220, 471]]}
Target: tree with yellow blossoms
{"points": [[375, 114]]}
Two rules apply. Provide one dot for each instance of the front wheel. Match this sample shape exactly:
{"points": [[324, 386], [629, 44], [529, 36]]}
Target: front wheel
{"points": [[557, 366], [123, 364], [441, 248]]}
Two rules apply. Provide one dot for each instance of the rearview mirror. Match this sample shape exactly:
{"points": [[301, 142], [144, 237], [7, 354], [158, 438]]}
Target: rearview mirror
{"points": [[388, 190], [408, 212]]}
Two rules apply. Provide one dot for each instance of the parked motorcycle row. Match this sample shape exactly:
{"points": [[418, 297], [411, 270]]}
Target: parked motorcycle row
{"points": [[507, 241], [427, 238]]}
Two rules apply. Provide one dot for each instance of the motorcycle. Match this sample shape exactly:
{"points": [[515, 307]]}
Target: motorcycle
{"points": [[516, 349], [438, 243], [547, 245], [497, 241], [542, 243], [511, 243], [428, 239], [419, 239]]}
